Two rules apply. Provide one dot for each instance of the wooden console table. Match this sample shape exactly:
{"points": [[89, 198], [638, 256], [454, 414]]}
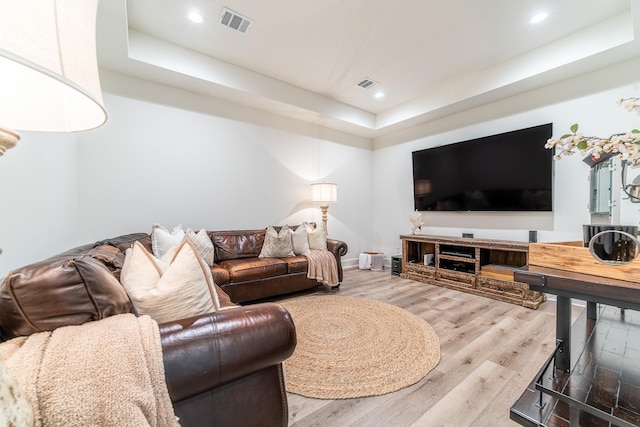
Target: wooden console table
{"points": [[478, 266], [537, 404]]}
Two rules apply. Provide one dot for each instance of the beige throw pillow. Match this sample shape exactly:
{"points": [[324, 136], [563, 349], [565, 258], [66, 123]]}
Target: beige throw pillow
{"points": [[300, 240], [317, 237], [203, 244], [174, 287], [162, 239], [277, 244]]}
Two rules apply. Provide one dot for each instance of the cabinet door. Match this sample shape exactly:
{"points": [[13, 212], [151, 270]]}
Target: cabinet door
{"points": [[600, 188]]}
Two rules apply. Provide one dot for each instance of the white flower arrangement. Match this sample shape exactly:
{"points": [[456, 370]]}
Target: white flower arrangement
{"points": [[416, 221], [627, 145]]}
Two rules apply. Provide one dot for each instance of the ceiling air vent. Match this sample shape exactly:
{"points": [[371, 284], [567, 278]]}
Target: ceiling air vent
{"points": [[234, 20], [367, 83]]}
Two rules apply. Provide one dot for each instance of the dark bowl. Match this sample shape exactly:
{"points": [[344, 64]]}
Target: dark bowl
{"points": [[590, 230], [611, 244]]}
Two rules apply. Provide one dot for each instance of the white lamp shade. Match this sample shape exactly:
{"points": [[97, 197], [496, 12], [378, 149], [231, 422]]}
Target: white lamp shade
{"points": [[48, 66], [324, 192]]}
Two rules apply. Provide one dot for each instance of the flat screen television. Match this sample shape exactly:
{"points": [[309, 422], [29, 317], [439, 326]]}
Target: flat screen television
{"points": [[510, 171]]}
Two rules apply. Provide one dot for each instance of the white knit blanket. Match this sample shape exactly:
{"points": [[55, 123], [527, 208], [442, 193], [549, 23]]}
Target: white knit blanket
{"points": [[322, 267], [103, 373]]}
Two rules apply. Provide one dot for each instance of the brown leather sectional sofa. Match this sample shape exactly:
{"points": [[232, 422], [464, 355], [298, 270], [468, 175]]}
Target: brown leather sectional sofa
{"points": [[245, 277], [223, 368]]}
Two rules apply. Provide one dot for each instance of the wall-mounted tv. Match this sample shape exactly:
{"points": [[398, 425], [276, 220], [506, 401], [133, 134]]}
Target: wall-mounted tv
{"points": [[510, 171]]}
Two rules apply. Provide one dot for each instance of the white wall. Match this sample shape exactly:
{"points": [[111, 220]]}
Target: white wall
{"points": [[171, 156], [38, 198], [155, 162], [597, 114]]}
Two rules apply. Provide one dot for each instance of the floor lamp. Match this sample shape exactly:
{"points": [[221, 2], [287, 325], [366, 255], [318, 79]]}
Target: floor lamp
{"points": [[324, 193], [48, 68]]}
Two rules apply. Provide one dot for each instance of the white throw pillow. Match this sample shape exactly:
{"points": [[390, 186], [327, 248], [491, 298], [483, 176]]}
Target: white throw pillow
{"points": [[300, 240], [203, 244], [162, 239], [178, 286], [317, 237], [277, 244]]}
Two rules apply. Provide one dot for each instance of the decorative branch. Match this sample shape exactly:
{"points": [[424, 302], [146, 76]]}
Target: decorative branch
{"points": [[416, 221], [627, 145]]}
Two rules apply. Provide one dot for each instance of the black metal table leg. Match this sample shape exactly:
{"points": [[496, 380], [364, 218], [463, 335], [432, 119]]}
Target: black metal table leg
{"points": [[563, 332], [592, 310]]}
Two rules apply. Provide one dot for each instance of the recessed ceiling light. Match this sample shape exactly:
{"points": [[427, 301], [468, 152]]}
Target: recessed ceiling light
{"points": [[538, 17], [195, 17], [379, 94]]}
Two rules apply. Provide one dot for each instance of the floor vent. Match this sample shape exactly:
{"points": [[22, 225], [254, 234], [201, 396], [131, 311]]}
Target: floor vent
{"points": [[367, 83], [234, 20]]}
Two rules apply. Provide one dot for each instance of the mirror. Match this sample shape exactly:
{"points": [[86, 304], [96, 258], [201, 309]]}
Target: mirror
{"points": [[614, 247]]}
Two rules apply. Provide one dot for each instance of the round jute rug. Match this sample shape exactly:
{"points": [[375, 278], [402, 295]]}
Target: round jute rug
{"points": [[354, 347]]}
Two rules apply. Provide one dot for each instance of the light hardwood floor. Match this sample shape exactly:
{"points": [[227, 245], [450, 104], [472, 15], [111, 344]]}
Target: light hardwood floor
{"points": [[490, 351]]}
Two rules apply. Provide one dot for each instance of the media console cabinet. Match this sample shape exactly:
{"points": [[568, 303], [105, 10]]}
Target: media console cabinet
{"points": [[478, 266]]}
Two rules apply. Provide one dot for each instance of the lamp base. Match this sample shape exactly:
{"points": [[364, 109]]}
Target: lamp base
{"points": [[324, 209], [8, 139]]}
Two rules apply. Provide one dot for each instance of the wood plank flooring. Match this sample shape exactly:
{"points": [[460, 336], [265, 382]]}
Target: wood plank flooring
{"points": [[490, 351]]}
